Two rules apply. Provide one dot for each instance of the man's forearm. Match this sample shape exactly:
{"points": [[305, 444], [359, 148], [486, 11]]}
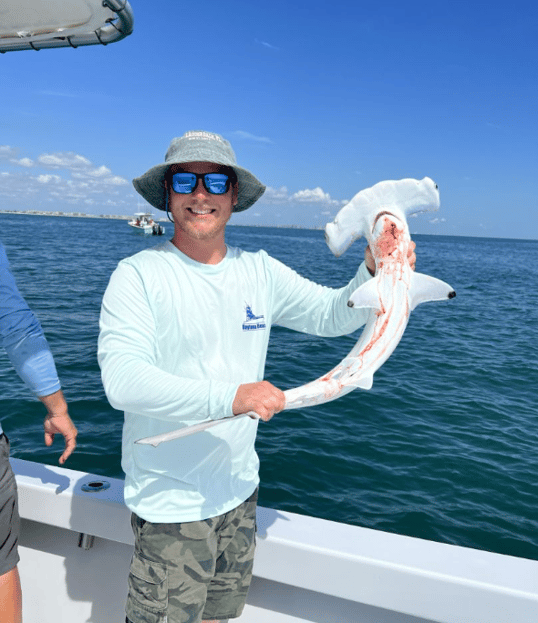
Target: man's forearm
{"points": [[55, 403]]}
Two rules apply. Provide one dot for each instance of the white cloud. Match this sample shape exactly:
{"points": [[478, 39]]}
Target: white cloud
{"points": [[24, 162], [59, 178], [47, 179], [252, 137], [63, 160], [116, 180], [275, 195], [7, 152], [266, 45], [315, 195], [66, 179], [102, 171]]}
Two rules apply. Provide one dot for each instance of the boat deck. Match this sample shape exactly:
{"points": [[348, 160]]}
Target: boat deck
{"points": [[306, 569]]}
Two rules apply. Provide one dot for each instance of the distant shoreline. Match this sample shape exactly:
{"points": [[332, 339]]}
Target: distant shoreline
{"points": [[69, 214], [122, 217]]}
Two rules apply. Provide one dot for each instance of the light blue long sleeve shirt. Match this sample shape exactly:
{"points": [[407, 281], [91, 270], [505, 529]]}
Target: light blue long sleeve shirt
{"points": [[22, 337], [177, 339]]}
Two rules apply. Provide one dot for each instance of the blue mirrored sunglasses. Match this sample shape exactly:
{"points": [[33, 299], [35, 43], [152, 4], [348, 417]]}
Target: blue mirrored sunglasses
{"points": [[214, 183]]}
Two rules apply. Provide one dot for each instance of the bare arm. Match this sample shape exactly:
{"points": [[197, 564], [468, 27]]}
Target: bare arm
{"points": [[58, 421]]}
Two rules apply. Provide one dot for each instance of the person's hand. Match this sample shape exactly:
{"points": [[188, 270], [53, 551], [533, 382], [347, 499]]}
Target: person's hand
{"points": [[58, 421], [370, 262], [411, 255], [63, 425], [262, 397]]}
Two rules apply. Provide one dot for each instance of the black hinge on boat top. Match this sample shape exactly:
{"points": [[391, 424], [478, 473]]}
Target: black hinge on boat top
{"points": [[85, 541]]}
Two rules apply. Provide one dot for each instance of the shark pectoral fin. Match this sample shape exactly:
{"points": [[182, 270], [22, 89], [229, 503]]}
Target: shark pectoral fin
{"points": [[425, 288], [366, 295], [364, 382]]}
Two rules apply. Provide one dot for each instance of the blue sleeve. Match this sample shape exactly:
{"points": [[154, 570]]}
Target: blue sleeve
{"points": [[22, 337]]}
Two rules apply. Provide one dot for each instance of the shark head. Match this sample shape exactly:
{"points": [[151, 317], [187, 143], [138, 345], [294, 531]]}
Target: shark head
{"points": [[398, 197]]}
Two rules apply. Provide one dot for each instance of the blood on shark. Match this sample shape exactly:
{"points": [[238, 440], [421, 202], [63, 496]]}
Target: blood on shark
{"points": [[379, 214]]}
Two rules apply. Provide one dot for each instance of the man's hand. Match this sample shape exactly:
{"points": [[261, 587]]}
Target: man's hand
{"points": [[370, 262], [58, 421], [262, 397], [411, 255]]}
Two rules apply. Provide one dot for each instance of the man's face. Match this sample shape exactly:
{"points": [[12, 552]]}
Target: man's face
{"points": [[201, 215]]}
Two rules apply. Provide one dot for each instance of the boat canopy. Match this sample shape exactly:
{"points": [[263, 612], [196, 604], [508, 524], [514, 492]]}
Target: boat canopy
{"points": [[34, 24]]}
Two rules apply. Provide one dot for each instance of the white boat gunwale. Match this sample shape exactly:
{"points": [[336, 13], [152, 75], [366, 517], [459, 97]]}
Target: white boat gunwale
{"points": [[352, 567]]}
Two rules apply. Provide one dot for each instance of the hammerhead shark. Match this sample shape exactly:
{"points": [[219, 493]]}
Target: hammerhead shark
{"points": [[379, 214]]}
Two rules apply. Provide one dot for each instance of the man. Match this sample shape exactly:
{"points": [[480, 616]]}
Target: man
{"points": [[22, 337], [175, 348]]}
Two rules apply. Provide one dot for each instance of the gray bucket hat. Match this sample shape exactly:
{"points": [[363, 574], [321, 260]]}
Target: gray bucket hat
{"points": [[198, 146]]}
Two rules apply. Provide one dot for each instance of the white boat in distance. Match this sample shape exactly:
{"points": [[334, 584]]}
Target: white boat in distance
{"points": [[144, 223]]}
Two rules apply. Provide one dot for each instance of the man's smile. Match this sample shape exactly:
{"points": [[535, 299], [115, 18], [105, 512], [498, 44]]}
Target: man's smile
{"points": [[200, 211]]}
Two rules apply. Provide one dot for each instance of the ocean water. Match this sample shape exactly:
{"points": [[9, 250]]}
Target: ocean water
{"points": [[443, 447]]}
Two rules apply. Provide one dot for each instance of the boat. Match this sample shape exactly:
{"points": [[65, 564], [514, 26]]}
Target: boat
{"points": [[76, 541], [76, 545], [144, 223]]}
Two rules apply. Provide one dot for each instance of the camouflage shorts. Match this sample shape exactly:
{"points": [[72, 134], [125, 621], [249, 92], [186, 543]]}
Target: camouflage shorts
{"points": [[9, 511], [192, 571]]}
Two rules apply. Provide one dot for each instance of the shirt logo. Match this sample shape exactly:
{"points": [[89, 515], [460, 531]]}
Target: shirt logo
{"points": [[253, 322]]}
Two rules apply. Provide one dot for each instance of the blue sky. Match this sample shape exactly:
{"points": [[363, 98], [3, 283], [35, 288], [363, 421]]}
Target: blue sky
{"points": [[319, 100]]}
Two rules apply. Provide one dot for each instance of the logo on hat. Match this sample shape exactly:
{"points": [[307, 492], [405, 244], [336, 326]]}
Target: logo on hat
{"points": [[206, 136]]}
